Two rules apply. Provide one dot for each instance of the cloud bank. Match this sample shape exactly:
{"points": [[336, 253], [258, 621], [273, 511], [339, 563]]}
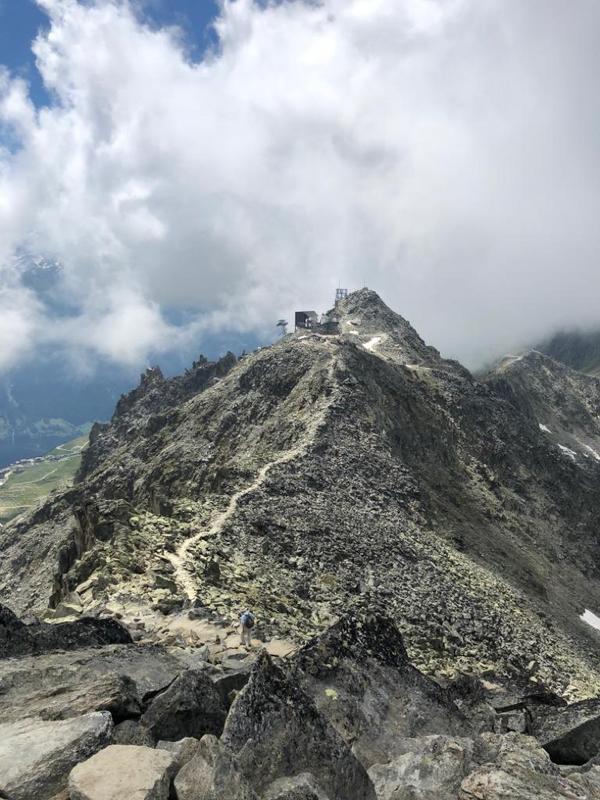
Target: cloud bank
{"points": [[442, 152]]}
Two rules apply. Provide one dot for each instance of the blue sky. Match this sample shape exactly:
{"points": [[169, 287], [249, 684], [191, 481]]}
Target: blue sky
{"points": [[20, 20]]}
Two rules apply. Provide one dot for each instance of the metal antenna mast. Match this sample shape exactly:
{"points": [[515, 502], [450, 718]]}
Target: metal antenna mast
{"points": [[282, 325]]}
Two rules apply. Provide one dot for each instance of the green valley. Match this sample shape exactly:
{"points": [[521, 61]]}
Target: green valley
{"points": [[25, 483]]}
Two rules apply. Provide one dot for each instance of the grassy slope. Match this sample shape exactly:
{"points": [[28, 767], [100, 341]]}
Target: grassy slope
{"points": [[23, 489]]}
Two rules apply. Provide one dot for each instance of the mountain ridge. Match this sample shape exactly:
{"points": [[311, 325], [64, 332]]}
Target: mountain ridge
{"points": [[330, 466]]}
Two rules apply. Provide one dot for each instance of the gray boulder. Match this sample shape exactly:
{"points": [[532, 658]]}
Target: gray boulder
{"points": [[36, 756], [190, 706], [212, 774], [300, 787], [73, 682], [182, 751], [359, 675], [123, 772], [517, 768], [114, 693], [276, 731], [430, 768], [570, 735]]}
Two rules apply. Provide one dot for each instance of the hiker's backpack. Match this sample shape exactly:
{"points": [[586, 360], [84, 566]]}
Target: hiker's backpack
{"points": [[248, 620]]}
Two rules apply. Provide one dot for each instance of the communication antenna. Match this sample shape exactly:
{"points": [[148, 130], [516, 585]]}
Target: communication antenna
{"points": [[282, 325], [340, 294]]}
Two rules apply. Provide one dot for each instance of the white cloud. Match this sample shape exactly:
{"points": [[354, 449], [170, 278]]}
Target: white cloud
{"points": [[443, 152]]}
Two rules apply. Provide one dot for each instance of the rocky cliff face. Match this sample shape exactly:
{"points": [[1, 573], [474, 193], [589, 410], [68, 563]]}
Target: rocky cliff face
{"points": [[329, 468]]}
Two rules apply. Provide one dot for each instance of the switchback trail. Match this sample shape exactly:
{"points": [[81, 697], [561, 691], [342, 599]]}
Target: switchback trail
{"points": [[178, 559]]}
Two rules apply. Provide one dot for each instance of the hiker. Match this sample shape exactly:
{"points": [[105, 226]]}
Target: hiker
{"points": [[247, 623]]}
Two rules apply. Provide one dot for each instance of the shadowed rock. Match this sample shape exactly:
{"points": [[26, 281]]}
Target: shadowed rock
{"points": [[190, 706], [359, 676], [18, 639], [570, 735], [133, 732], [276, 731]]}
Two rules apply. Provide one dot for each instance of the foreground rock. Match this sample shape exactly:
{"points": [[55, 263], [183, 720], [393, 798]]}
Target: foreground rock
{"points": [[212, 774], [190, 706], [276, 731], [69, 683], [36, 756], [18, 639], [361, 679], [571, 735], [431, 767], [518, 769], [122, 772]]}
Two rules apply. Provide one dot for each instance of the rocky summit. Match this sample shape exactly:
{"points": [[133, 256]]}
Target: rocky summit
{"points": [[418, 546]]}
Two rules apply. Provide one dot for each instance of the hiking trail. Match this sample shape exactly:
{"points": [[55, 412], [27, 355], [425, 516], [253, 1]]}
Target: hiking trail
{"points": [[178, 558]]}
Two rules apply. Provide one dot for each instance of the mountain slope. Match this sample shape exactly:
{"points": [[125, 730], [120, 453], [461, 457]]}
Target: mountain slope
{"points": [[579, 350], [325, 467]]}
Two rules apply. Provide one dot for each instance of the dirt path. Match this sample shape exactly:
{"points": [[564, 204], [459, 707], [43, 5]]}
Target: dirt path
{"points": [[178, 559]]}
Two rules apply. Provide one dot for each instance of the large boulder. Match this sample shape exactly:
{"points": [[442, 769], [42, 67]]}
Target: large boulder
{"points": [[276, 731], [570, 735], [18, 639], [36, 756], [515, 767], [123, 772], [359, 675], [430, 768], [73, 682], [190, 706], [212, 774], [115, 693]]}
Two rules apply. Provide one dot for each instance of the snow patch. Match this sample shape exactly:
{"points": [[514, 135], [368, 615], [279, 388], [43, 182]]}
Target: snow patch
{"points": [[372, 343], [593, 452], [568, 452], [591, 619], [354, 333], [545, 428]]}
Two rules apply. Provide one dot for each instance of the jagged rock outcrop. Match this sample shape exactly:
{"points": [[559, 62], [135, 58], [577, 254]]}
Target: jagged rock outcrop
{"points": [[274, 724], [360, 677]]}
